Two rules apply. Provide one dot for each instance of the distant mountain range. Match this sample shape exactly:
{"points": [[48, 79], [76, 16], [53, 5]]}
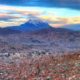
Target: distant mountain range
{"points": [[75, 27], [36, 25], [6, 31]]}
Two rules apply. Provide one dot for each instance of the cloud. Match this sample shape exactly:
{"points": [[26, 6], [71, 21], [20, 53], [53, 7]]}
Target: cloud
{"points": [[56, 17]]}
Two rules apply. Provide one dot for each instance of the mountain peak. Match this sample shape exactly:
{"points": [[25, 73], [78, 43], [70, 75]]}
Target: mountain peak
{"points": [[34, 23], [35, 20]]}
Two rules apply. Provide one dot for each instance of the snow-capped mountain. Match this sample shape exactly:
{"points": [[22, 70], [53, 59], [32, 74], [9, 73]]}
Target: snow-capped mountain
{"points": [[32, 24]]}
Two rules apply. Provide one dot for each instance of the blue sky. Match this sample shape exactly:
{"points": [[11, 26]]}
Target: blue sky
{"points": [[75, 4]]}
